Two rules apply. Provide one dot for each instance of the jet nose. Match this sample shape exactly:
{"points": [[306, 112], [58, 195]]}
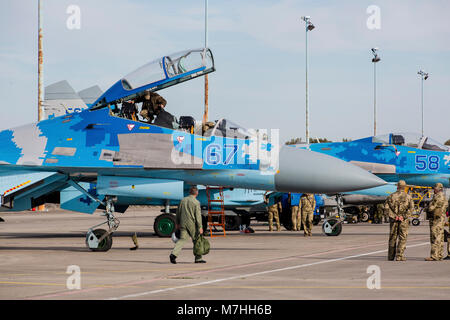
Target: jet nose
{"points": [[302, 170]]}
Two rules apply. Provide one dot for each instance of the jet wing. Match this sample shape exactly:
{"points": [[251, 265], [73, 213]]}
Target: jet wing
{"points": [[159, 74], [18, 188]]}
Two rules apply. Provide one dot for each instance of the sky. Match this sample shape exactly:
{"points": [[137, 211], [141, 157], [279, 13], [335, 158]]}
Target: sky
{"points": [[259, 52]]}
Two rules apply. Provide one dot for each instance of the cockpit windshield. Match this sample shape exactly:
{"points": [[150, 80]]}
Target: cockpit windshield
{"points": [[227, 128], [412, 140]]}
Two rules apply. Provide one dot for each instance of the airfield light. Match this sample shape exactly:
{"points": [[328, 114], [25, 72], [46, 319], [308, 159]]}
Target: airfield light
{"points": [[375, 59], [423, 76], [308, 27]]}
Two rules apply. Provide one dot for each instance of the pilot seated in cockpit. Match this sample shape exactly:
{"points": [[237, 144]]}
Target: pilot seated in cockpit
{"points": [[153, 110]]}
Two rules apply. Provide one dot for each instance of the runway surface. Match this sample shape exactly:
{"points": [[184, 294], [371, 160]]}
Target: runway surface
{"points": [[37, 248]]}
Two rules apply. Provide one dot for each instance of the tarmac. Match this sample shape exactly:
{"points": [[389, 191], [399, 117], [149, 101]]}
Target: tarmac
{"points": [[37, 249]]}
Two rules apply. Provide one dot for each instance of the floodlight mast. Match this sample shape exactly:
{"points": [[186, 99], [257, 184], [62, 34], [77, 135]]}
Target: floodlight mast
{"points": [[206, 109], [308, 27], [423, 76], [375, 59]]}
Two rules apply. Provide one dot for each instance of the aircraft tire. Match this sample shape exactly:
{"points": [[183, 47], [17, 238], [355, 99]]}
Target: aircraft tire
{"points": [[164, 225], [1, 220], [415, 222], [365, 217], [104, 245], [336, 231], [232, 222]]}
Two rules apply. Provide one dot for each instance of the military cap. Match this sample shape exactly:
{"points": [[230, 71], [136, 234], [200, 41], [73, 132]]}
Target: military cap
{"points": [[401, 183], [439, 186]]}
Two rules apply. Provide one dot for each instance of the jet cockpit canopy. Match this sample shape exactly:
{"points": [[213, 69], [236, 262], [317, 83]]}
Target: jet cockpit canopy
{"points": [[159, 74], [413, 140]]}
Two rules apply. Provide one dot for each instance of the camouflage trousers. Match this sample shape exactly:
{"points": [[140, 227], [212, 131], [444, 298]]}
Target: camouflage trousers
{"points": [[398, 230], [273, 213], [437, 237], [295, 215], [307, 220]]}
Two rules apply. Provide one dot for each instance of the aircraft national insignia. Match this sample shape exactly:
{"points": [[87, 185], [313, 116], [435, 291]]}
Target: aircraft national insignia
{"points": [[180, 139], [130, 126]]}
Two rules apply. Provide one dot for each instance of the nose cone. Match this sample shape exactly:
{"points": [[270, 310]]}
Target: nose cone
{"points": [[302, 170]]}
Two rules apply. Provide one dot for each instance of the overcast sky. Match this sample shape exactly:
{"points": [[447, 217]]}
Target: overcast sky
{"points": [[259, 50]]}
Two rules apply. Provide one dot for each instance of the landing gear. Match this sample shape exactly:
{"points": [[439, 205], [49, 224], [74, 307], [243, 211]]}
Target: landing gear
{"points": [[415, 222], [332, 226], [164, 225], [1, 220], [100, 239]]}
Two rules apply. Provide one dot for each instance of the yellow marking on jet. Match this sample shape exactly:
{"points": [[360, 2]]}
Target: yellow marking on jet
{"points": [[411, 152], [144, 128]]}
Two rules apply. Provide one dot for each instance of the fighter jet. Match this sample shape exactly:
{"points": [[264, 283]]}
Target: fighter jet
{"points": [[417, 159], [57, 159]]}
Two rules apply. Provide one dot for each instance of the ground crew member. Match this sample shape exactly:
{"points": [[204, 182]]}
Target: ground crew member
{"points": [[307, 206], [379, 212], [400, 206], [274, 208], [436, 211], [295, 213], [189, 222], [448, 235]]}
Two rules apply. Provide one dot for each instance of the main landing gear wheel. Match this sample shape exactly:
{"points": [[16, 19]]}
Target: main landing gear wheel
{"points": [[415, 222], [99, 240], [332, 227], [164, 225], [365, 217]]}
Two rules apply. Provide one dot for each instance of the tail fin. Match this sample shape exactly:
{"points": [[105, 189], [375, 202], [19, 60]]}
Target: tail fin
{"points": [[61, 99]]}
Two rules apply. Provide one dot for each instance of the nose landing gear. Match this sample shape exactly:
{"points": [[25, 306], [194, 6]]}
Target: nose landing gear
{"points": [[100, 239], [332, 226]]}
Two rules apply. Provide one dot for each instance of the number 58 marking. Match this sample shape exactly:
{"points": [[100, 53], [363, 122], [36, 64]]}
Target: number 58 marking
{"points": [[424, 162]]}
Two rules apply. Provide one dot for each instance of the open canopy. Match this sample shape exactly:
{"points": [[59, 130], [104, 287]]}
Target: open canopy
{"points": [[159, 74], [412, 140]]}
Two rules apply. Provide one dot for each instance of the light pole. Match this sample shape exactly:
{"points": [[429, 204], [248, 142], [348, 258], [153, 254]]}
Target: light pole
{"points": [[206, 111], [308, 27], [40, 64], [424, 76], [375, 59]]}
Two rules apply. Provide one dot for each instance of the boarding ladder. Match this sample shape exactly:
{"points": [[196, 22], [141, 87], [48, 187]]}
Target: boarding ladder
{"points": [[216, 211]]}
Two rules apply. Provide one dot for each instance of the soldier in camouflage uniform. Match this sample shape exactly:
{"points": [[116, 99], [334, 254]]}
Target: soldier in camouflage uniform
{"points": [[273, 208], [400, 206], [437, 210], [379, 212], [295, 213], [307, 206], [448, 238]]}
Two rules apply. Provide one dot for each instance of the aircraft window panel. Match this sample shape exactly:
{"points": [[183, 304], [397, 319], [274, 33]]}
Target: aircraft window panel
{"points": [[186, 61], [151, 72], [430, 144]]}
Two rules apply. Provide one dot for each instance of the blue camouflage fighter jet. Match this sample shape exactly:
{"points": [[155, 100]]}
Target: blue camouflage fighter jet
{"points": [[417, 159], [92, 158]]}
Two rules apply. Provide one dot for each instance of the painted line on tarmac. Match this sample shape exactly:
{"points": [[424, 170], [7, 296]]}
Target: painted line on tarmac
{"points": [[254, 274], [232, 267]]}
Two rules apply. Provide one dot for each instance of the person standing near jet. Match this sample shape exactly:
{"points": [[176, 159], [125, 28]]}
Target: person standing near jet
{"points": [[274, 207], [189, 222], [307, 206], [437, 210], [295, 213], [400, 206], [379, 212]]}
